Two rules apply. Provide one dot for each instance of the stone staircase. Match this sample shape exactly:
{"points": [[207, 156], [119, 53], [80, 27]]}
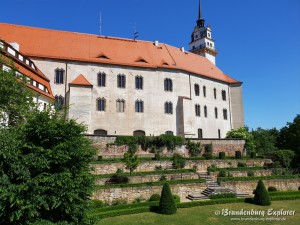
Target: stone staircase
{"points": [[213, 187]]}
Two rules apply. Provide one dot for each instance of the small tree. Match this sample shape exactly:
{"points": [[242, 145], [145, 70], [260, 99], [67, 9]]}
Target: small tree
{"points": [[193, 148], [285, 157], [167, 204], [261, 195], [208, 150], [131, 159], [178, 161], [221, 155]]}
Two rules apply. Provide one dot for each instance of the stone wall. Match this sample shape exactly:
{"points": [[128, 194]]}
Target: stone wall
{"points": [[229, 146], [199, 165], [131, 193], [155, 178], [249, 186], [257, 173]]}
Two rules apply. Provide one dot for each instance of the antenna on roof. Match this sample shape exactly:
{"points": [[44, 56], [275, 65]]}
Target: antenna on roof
{"points": [[135, 33], [100, 27]]}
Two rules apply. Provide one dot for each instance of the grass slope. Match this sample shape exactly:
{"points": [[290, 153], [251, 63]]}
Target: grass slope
{"points": [[206, 215]]}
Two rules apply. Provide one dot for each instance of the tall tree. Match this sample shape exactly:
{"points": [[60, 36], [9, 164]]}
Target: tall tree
{"points": [[265, 140], [289, 138], [44, 171], [15, 98], [243, 132]]}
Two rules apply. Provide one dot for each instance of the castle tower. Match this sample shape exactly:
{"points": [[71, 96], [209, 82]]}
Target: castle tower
{"points": [[202, 43]]}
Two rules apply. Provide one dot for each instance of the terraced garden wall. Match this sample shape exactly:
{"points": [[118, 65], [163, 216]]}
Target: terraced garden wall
{"points": [[229, 146], [131, 193], [249, 186], [199, 165]]}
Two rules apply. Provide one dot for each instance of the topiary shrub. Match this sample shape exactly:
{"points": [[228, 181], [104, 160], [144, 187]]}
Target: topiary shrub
{"points": [[208, 151], [167, 204], [238, 154], [261, 195], [221, 155], [271, 188], [222, 173], [157, 156], [241, 164], [176, 198], [178, 161], [163, 177], [250, 174], [154, 197]]}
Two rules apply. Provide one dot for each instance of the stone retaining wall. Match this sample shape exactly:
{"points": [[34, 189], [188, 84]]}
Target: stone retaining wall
{"points": [[199, 165], [131, 193], [229, 146], [155, 178], [249, 186], [257, 173]]}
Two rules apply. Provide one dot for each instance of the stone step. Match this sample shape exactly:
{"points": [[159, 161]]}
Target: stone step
{"points": [[197, 197]]}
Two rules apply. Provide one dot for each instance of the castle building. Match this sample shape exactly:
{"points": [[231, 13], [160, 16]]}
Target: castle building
{"points": [[119, 86], [36, 81]]}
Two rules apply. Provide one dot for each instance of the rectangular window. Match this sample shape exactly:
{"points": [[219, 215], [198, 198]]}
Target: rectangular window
{"points": [[139, 106], [168, 108], [215, 93], [101, 79], [216, 113], [120, 106], [168, 84], [121, 81], [204, 91], [197, 110], [59, 76], [101, 104], [139, 82], [219, 133], [200, 133], [225, 114]]}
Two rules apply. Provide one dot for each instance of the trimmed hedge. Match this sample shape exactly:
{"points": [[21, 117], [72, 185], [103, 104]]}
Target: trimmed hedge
{"points": [[158, 183], [220, 179], [149, 173], [223, 195], [284, 193], [235, 169], [272, 189], [154, 197], [210, 202]]}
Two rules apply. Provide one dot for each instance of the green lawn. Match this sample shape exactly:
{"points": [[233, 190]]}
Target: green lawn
{"points": [[206, 215]]}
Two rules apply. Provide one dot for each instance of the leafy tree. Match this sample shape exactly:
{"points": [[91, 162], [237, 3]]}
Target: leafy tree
{"points": [[178, 161], [261, 195], [243, 132], [193, 148], [285, 157], [15, 98], [265, 140], [131, 159], [44, 171], [167, 204], [289, 138]]}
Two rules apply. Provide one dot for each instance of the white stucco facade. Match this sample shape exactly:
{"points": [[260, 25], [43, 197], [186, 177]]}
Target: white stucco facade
{"points": [[82, 100]]}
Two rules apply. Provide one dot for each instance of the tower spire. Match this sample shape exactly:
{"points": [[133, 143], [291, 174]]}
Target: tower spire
{"points": [[199, 11], [200, 21]]}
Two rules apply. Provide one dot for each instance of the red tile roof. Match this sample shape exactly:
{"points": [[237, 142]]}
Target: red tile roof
{"points": [[81, 80], [53, 44]]}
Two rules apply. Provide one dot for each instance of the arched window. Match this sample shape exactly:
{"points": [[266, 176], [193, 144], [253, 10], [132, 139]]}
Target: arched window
{"points": [[223, 95], [205, 111], [225, 114], [100, 132], [204, 91], [197, 90], [197, 110], [168, 84], [121, 81], [168, 108], [169, 132], [215, 93], [139, 133], [101, 102], [120, 105], [139, 106], [139, 82], [59, 102], [216, 112], [59, 76], [101, 79]]}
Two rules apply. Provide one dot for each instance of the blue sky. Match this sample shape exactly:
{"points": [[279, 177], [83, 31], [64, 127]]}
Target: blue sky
{"points": [[258, 40]]}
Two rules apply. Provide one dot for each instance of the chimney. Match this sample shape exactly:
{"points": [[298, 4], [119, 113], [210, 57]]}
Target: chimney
{"points": [[182, 49], [156, 43], [15, 45]]}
